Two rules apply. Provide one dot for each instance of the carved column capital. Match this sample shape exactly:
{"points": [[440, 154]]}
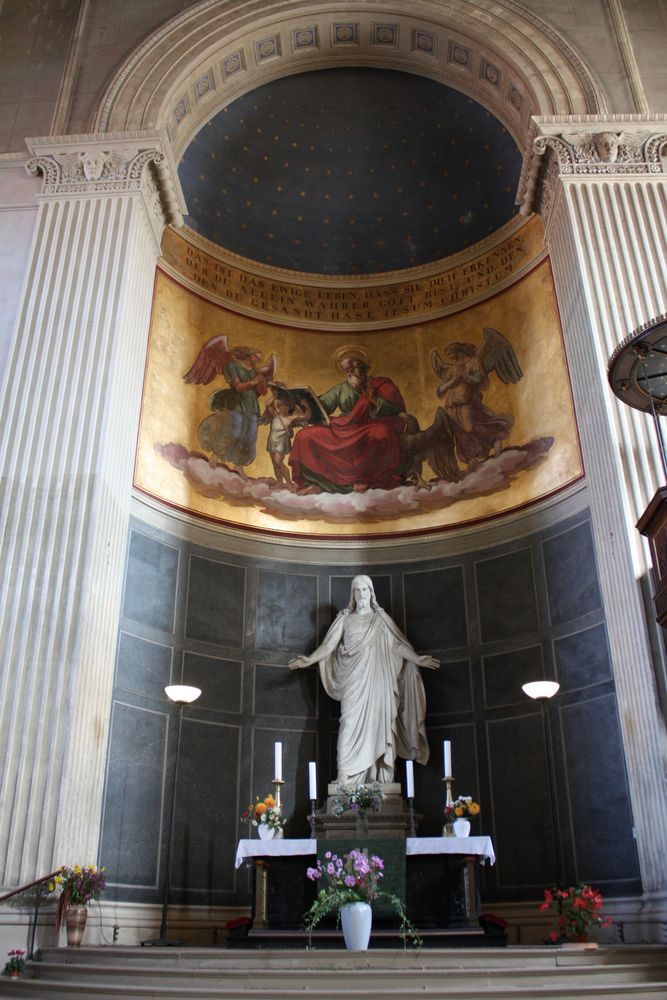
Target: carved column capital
{"points": [[582, 147], [111, 163]]}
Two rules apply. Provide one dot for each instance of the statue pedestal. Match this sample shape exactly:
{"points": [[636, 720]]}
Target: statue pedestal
{"points": [[392, 820]]}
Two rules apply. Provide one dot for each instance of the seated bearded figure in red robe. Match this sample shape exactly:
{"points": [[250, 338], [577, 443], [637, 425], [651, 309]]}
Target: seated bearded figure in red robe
{"points": [[360, 448]]}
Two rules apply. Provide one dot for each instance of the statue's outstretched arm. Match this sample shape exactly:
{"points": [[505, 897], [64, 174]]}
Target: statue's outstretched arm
{"points": [[326, 647], [408, 653]]}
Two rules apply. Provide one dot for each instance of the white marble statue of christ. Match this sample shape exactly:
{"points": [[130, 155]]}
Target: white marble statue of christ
{"points": [[368, 665]]}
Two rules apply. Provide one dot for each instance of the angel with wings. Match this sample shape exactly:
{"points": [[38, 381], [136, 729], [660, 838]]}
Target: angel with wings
{"points": [[231, 430], [478, 431]]}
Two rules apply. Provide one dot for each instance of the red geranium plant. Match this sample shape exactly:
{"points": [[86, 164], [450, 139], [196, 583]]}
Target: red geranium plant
{"points": [[576, 909]]}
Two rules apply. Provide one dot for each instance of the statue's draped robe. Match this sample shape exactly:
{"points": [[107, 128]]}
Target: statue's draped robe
{"points": [[383, 704]]}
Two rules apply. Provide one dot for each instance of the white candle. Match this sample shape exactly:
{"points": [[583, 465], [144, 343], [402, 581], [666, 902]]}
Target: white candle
{"points": [[448, 759], [279, 761], [409, 779], [312, 780]]}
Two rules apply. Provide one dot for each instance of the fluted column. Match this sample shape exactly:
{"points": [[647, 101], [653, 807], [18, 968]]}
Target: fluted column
{"points": [[601, 188], [67, 439]]}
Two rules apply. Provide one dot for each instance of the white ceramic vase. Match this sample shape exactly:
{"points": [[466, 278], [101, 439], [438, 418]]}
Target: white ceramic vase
{"points": [[461, 827], [265, 832], [356, 919]]}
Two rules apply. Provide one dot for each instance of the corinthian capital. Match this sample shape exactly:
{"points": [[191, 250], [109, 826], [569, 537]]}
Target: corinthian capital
{"points": [[581, 146], [109, 163]]}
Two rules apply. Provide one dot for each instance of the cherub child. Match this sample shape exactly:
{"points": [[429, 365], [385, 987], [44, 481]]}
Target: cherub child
{"points": [[284, 415]]}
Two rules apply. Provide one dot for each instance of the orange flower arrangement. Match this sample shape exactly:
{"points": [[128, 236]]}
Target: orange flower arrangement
{"points": [[264, 811]]}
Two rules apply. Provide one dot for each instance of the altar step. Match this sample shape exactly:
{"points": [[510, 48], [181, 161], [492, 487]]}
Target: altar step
{"points": [[607, 973]]}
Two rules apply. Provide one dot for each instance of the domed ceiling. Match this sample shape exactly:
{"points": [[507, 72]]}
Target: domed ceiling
{"points": [[349, 172]]}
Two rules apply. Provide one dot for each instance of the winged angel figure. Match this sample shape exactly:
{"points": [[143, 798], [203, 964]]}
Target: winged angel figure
{"points": [[478, 431], [231, 430]]}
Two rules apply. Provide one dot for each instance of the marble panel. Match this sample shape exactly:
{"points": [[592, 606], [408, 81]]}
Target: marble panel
{"points": [[506, 594], [597, 785], [220, 682], [286, 611], [150, 584], [521, 824], [435, 609], [132, 806], [143, 666], [216, 602], [583, 658], [449, 688], [285, 693], [207, 807], [505, 673], [571, 573]]}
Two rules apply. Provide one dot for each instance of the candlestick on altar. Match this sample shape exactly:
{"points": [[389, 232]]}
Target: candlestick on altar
{"points": [[277, 782], [311, 817], [448, 829]]}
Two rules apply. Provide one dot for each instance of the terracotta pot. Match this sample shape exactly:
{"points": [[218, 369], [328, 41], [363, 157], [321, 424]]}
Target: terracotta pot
{"points": [[75, 922], [13, 973]]}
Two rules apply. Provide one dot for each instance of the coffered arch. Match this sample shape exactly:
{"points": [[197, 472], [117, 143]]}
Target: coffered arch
{"points": [[495, 51]]}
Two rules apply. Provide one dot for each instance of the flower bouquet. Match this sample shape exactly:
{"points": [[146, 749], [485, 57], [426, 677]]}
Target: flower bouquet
{"points": [[351, 879], [78, 885], [575, 909], [265, 812], [15, 963], [359, 799], [462, 808]]}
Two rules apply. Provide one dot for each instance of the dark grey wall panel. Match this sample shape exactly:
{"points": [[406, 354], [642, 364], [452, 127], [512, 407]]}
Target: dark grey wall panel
{"points": [[143, 666], [286, 611], [216, 602], [220, 681], [207, 808], [505, 673], [449, 688], [285, 693], [518, 778], [583, 658], [570, 567], [435, 609], [597, 782], [507, 597], [150, 584], [131, 827]]}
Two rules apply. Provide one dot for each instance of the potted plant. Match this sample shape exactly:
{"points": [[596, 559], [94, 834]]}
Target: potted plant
{"points": [[266, 815], [349, 885], [459, 813], [576, 909], [15, 963], [78, 885]]}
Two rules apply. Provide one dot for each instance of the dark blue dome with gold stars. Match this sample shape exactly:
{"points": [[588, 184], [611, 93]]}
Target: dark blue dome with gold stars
{"points": [[350, 172]]}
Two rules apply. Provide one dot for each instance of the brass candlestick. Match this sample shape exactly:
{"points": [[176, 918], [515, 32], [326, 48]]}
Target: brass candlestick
{"points": [[448, 829], [277, 782]]}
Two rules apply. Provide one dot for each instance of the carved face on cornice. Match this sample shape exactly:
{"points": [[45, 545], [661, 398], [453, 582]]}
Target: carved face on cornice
{"points": [[93, 164], [606, 144]]}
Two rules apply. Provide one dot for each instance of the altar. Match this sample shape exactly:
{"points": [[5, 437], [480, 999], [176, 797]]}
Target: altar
{"points": [[441, 885]]}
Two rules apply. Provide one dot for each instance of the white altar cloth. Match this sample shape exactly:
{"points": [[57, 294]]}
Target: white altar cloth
{"points": [[286, 847]]}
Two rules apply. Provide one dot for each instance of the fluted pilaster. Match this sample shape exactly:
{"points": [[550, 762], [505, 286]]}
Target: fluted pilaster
{"points": [[70, 413], [602, 191]]}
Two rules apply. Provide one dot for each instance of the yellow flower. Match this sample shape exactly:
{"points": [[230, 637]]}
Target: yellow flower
{"points": [[473, 808], [458, 811], [260, 808], [52, 887], [269, 801], [58, 879]]}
